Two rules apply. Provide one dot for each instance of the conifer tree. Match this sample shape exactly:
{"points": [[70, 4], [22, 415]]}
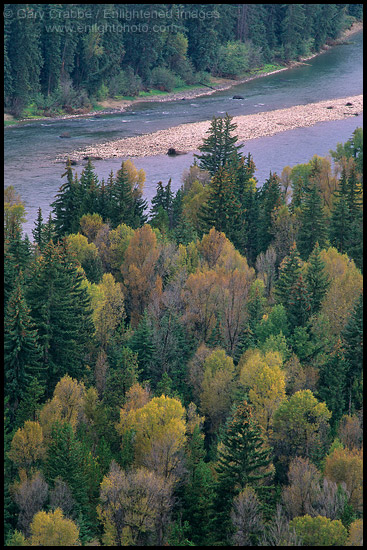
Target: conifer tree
{"points": [[60, 308], [89, 190], [121, 199], [313, 224], [65, 460], [222, 209], [332, 383], [199, 491], [269, 199], [66, 207], [38, 229], [289, 271], [317, 281], [243, 460], [353, 345], [21, 351], [142, 343], [299, 306], [219, 147]]}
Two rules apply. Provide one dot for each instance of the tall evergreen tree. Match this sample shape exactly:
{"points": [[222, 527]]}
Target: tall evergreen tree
{"points": [[243, 460], [38, 229], [65, 460], [299, 306], [222, 209], [313, 224], [269, 199], [289, 272], [60, 308], [317, 281], [332, 383], [121, 199], [89, 190], [21, 352], [219, 148], [67, 205], [353, 345]]}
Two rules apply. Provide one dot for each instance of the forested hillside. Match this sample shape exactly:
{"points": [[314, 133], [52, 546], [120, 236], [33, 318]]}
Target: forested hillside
{"points": [[67, 56], [189, 375]]}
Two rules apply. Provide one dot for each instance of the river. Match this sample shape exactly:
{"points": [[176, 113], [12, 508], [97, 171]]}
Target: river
{"points": [[31, 147]]}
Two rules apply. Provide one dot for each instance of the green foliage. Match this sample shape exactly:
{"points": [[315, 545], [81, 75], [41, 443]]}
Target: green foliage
{"points": [[319, 531]]}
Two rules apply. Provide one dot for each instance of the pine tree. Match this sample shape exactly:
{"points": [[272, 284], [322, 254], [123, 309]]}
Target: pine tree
{"points": [[219, 147], [121, 199], [67, 206], [60, 308], [199, 491], [243, 460], [222, 209], [30, 402], [89, 190], [332, 383], [299, 306], [38, 229], [269, 199], [313, 224], [353, 345], [317, 281], [289, 271], [142, 343], [65, 460], [21, 351]]}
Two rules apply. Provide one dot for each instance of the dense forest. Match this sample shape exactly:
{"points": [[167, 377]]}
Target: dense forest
{"points": [[67, 56], [189, 375]]}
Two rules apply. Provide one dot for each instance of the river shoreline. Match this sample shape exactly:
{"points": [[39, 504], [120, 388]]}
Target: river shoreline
{"points": [[188, 137], [115, 106]]}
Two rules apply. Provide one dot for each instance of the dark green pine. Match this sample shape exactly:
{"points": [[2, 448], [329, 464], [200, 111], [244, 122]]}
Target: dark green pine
{"points": [[21, 351], [222, 209], [299, 304], [198, 492], [332, 383], [270, 198], [219, 147], [242, 461], [289, 271], [317, 280], [38, 229], [353, 345], [121, 199], [67, 206], [89, 188], [60, 308], [143, 344], [313, 223], [65, 460]]}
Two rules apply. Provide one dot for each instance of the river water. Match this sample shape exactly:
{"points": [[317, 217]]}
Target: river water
{"points": [[31, 147]]}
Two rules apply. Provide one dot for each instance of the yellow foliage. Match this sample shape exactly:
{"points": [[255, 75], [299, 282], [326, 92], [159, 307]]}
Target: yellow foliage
{"points": [[356, 533], [266, 394], [253, 361], [159, 429], [108, 308], [344, 465], [27, 446], [65, 406], [135, 177], [52, 529], [345, 287], [217, 387]]}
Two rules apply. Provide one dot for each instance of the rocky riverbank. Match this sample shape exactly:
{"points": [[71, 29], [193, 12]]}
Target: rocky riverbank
{"points": [[188, 137]]}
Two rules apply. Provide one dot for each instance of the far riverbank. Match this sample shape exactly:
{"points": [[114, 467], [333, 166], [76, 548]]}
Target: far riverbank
{"points": [[111, 105]]}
